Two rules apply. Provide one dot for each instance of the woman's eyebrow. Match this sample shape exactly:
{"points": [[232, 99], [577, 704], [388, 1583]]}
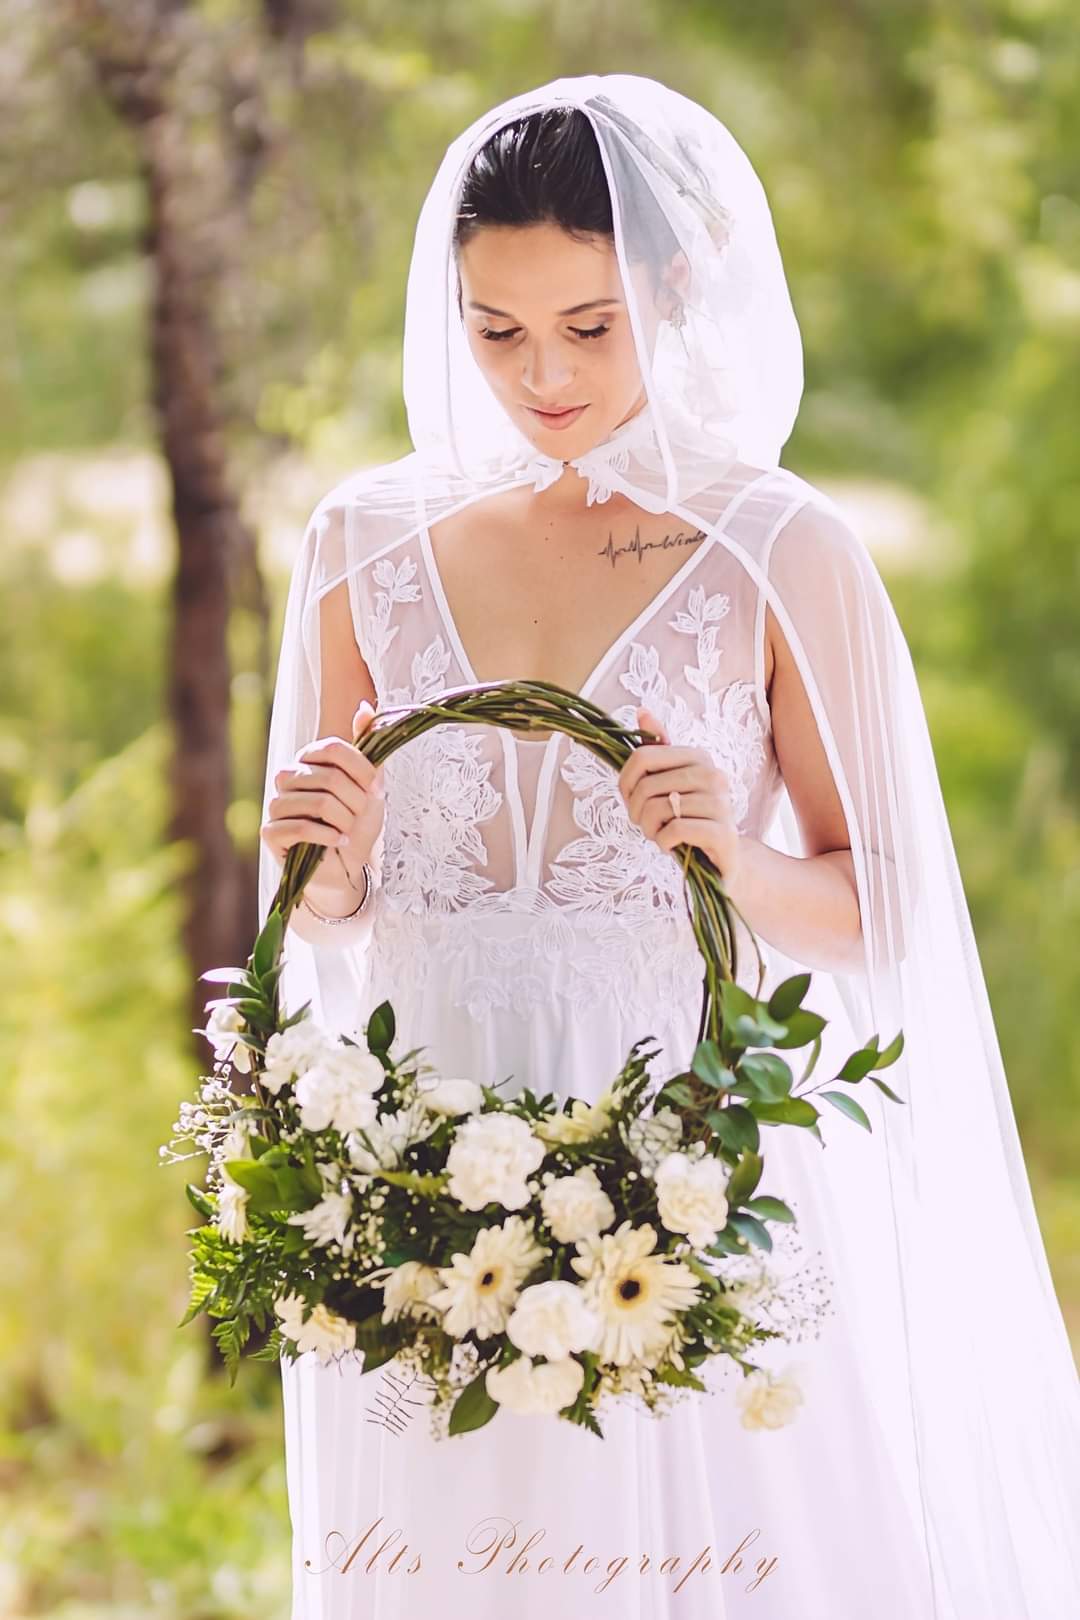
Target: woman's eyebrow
{"points": [[576, 309]]}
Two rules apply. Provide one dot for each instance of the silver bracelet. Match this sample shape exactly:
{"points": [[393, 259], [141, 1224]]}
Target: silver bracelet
{"points": [[349, 915]]}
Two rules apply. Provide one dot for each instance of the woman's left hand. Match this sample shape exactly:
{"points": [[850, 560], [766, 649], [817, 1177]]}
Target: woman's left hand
{"points": [[703, 796]]}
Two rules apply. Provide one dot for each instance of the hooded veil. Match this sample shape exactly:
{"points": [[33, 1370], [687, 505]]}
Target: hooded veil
{"points": [[973, 1364]]}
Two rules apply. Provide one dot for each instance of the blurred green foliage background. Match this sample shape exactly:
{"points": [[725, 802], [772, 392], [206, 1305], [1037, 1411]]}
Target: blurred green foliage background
{"points": [[922, 165]]}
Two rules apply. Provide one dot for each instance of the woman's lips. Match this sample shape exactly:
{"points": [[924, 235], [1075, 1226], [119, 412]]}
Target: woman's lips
{"points": [[557, 419]]}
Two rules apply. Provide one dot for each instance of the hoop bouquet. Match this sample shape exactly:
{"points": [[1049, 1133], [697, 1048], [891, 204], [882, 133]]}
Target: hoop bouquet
{"points": [[535, 1252]]}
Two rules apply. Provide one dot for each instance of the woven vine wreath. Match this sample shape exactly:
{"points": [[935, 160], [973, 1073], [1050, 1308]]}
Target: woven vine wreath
{"points": [[534, 1252]]}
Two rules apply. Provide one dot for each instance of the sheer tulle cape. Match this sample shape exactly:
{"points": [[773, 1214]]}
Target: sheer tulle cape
{"points": [[982, 1373]]}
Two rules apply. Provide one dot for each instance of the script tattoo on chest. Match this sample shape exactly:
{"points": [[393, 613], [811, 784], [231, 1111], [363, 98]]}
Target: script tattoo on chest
{"points": [[637, 546]]}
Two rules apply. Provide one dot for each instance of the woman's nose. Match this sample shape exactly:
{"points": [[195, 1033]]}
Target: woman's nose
{"points": [[544, 371]]}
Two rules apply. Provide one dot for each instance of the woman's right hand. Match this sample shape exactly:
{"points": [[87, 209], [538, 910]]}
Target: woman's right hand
{"points": [[330, 794]]}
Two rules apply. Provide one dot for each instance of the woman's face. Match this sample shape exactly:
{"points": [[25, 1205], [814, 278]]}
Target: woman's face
{"points": [[548, 325]]}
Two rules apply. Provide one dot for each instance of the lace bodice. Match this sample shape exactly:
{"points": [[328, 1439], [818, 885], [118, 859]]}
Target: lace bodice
{"points": [[483, 825]]}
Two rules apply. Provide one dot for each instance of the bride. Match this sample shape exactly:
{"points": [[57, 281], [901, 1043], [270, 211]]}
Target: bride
{"points": [[601, 368]]}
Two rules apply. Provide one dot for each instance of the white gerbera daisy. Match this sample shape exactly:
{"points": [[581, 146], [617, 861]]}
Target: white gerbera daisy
{"points": [[635, 1293], [408, 1289], [583, 1122], [324, 1331], [232, 1210], [481, 1287]]}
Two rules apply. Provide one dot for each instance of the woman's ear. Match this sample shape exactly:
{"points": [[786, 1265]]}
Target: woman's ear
{"points": [[676, 281]]}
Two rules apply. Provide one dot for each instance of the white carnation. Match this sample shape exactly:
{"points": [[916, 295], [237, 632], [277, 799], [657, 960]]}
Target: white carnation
{"points": [[291, 1052], [553, 1320], [691, 1197], [531, 1389], [324, 1331], [766, 1401], [576, 1206], [491, 1157], [451, 1097], [225, 1030], [338, 1090]]}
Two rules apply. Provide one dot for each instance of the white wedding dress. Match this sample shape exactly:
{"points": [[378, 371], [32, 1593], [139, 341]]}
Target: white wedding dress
{"points": [[523, 927]]}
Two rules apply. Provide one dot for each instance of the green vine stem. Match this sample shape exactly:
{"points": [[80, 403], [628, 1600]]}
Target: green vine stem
{"points": [[542, 706]]}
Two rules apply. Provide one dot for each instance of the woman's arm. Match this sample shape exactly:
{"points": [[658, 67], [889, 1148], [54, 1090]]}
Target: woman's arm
{"points": [[807, 906], [332, 778]]}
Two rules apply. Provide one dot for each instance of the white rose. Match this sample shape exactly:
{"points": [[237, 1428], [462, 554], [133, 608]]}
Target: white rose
{"points": [[407, 1290], [691, 1196], [338, 1090], [225, 1030], [451, 1097], [491, 1157], [768, 1402], [232, 1210], [544, 1389], [291, 1052], [553, 1320], [324, 1332], [577, 1206]]}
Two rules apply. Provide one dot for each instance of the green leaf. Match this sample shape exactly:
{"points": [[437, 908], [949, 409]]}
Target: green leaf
{"points": [[802, 1028], [672, 1375], [380, 1029], [891, 1052], [848, 1105], [859, 1064], [792, 1111], [735, 1126], [744, 1178], [473, 1408], [889, 1092], [749, 1227], [675, 1091], [202, 1287], [770, 1075], [727, 1242], [760, 1030], [268, 944], [198, 1199], [769, 1209], [788, 996], [710, 1067]]}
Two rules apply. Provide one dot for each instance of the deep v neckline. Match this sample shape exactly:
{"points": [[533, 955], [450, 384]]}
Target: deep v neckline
{"points": [[655, 602]]}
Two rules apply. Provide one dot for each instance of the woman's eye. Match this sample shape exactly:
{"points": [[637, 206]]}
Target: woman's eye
{"points": [[496, 337], [593, 331]]}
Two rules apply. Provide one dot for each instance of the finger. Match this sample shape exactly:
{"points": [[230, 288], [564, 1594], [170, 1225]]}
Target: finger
{"points": [[282, 835], [362, 719], [325, 778], [647, 721], [685, 779], [336, 751], [325, 806]]}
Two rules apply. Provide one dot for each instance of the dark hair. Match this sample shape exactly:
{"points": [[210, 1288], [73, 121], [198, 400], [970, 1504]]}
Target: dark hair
{"points": [[546, 168]]}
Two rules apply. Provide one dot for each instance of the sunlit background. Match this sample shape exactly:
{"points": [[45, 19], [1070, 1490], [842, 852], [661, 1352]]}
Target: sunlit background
{"points": [[206, 212]]}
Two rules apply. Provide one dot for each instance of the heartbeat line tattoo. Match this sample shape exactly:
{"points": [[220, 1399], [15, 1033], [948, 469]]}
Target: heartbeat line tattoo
{"points": [[392, 1401], [638, 547]]}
